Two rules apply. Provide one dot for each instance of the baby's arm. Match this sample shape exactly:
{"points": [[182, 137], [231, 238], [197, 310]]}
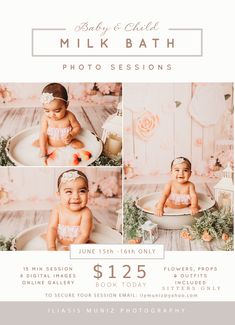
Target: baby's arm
{"points": [[166, 192], [76, 128], [194, 199], [85, 227], [43, 138], [52, 230]]}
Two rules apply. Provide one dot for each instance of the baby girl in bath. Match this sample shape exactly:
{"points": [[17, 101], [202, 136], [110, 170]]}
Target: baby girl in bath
{"points": [[71, 220], [59, 127], [179, 193]]}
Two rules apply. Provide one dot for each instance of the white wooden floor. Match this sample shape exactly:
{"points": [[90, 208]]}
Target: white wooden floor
{"points": [[14, 120], [171, 238]]}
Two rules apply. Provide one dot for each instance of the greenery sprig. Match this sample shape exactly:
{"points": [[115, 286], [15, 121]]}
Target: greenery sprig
{"points": [[228, 244], [133, 219], [105, 161], [4, 160], [5, 244], [213, 224], [216, 223]]}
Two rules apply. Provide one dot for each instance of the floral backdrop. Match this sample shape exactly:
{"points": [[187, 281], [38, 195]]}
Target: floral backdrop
{"points": [[26, 94], [163, 121], [16, 184]]}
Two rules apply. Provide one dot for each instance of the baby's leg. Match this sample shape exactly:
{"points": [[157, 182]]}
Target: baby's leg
{"points": [[76, 144], [44, 236], [91, 242], [63, 248], [36, 143]]}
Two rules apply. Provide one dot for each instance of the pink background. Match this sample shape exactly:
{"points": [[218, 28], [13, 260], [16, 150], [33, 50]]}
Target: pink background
{"points": [[176, 132], [28, 94]]}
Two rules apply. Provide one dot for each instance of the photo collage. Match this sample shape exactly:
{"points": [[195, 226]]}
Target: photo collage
{"points": [[116, 163]]}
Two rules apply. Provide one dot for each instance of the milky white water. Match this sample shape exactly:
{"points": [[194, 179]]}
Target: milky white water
{"points": [[33, 238], [22, 152]]}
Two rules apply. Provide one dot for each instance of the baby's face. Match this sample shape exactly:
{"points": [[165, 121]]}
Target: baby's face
{"points": [[55, 110], [181, 173], [74, 194]]}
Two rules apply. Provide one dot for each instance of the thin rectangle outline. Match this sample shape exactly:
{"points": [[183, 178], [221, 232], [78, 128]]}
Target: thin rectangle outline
{"points": [[114, 55], [118, 258]]}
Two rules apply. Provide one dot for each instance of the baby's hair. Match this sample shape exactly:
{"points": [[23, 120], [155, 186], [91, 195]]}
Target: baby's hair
{"points": [[57, 90], [78, 172], [181, 160]]}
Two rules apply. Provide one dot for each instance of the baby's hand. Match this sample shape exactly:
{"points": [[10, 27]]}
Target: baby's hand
{"points": [[194, 210], [158, 212], [68, 138], [44, 160], [52, 249]]}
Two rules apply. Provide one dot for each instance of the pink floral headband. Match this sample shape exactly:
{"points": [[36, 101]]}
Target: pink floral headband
{"points": [[46, 98], [180, 160], [71, 176]]}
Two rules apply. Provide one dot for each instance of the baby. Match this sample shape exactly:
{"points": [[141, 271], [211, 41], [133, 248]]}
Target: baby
{"points": [[71, 220], [59, 127], [179, 193]]}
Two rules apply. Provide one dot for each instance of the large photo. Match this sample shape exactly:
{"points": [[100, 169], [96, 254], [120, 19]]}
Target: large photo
{"points": [[55, 124], [178, 165], [52, 208]]}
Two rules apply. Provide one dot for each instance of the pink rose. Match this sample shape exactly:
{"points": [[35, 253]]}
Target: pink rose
{"points": [[146, 125], [185, 234], [198, 142], [225, 236], [106, 88], [206, 236]]}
